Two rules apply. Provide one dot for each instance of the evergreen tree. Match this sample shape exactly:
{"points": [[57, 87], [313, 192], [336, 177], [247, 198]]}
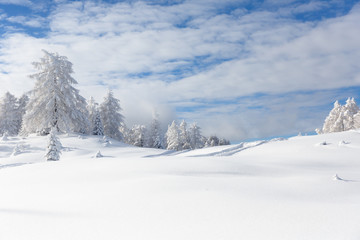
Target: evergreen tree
{"points": [[154, 134], [54, 101], [223, 141], [349, 111], [173, 138], [196, 140], [53, 150], [184, 136], [136, 136], [212, 141], [342, 118], [97, 125], [333, 122], [92, 108], [21, 106], [9, 115], [111, 116], [95, 117], [357, 120], [125, 132]]}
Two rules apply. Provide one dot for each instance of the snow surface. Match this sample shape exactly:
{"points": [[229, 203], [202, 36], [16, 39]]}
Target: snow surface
{"points": [[282, 189]]}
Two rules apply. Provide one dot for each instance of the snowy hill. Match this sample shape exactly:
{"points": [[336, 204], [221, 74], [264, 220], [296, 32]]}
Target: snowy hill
{"points": [[280, 189]]}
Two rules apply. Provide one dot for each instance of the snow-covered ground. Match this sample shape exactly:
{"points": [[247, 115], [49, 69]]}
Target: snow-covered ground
{"points": [[280, 189]]}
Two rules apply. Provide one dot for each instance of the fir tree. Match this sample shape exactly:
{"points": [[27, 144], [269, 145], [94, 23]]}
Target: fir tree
{"points": [[154, 134], [196, 140], [136, 136], [111, 116], [342, 118], [9, 115], [349, 111], [21, 107], [54, 101], [95, 117], [333, 122], [184, 136], [212, 141], [357, 120], [53, 150], [173, 138], [97, 125]]}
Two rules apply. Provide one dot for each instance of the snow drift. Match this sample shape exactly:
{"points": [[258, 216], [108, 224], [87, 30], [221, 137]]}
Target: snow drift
{"points": [[291, 189]]}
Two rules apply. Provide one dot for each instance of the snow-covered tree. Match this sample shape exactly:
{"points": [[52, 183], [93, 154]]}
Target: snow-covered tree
{"points": [[53, 150], [196, 140], [349, 111], [357, 120], [154, 134], [333, 122], [9, 115], [54, 101], [98, 125], [184, 135], [173, 138], [212, 141], [92, 108], [137, 136], [223, 141], [111, 116], [95, 117], [342, 118], [21, 106]]}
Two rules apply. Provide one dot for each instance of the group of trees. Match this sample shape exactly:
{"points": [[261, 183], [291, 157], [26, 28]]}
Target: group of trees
{"points": [[342, 118], [180, 137], [177, 137], [55, 105], [12, 111], [145, 136]]}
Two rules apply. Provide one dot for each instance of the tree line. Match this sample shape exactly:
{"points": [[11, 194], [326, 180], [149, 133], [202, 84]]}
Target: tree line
{"points": [[56, 105]]}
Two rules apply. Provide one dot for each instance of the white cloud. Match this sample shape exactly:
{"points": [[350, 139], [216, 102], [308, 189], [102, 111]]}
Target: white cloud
{"points": [[311, 6], [28, 21], [16, 2]]}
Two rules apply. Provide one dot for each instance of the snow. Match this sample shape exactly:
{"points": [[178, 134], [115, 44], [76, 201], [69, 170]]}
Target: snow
{"points": [[281, 189]]}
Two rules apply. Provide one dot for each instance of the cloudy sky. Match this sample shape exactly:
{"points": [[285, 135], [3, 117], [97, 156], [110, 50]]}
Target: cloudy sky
{"points": [[240, 68]]}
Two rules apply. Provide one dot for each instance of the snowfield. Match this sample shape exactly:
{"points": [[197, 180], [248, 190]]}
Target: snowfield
{"points": [[301, 188]]}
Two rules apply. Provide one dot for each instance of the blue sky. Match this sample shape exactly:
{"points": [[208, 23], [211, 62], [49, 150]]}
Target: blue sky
{"points": [[241, 69]]}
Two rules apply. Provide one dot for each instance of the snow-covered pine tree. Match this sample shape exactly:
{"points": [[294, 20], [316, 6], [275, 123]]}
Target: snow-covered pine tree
{"points": [[126, 134], [184, 135], [333, 122], [97, 125], [212, 141], [136, 136], [54, 101], [224, 141], [9, 115], [111, 116], [95, 117], [154, 134], [21, 106], [196, 140], [357, 120], [53, 150], [92, 108], [173, 138], [350, 109]]}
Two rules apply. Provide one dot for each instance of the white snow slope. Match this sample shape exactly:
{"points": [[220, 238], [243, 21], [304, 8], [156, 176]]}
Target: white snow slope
{"points": [[262, 190]]}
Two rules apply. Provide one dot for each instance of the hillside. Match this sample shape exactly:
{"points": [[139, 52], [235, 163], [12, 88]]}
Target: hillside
{"points": [[280, 189]]}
